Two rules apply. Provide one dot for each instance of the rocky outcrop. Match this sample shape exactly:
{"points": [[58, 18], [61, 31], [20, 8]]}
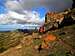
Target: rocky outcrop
{"points": [[66, 17]]}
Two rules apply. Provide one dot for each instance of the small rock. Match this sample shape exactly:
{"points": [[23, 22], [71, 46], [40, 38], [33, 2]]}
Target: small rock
{"points": [[19, 47], [68, 37], [36, 47]]}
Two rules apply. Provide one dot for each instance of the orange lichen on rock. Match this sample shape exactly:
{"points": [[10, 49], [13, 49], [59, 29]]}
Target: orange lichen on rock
{"points": [[50, 37], [47, 38], [57, 17]]}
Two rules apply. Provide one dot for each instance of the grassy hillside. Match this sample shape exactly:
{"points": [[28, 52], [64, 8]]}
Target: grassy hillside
{"points": [[9, 39]]}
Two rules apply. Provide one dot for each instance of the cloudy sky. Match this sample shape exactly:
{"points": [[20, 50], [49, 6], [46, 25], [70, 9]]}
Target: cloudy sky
{"points": [[41, 6], [20, 11]]}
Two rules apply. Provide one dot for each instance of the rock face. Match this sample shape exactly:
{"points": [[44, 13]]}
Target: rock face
{"points": [[57, 19], [54, 18]]}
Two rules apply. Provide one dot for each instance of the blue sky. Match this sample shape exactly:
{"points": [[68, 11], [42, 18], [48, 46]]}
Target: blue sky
{"points": [[2, 7], [41, 10]]}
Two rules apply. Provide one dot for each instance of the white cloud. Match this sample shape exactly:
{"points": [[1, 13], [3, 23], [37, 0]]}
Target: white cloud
{"points": [[13, 5], [14, 17], [4, 19], [29, 16]]}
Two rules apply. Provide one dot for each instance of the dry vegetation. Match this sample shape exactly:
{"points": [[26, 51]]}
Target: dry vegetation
{"points": [[63, 42]]}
